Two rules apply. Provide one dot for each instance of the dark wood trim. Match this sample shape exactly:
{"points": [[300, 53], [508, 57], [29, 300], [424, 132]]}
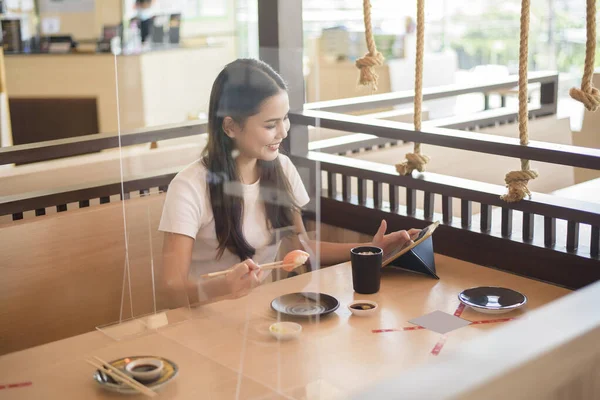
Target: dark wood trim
{"points": [[554, 266], [595, 242], [41, 151], [540, 203], [428, 205], [549, 231], [83, 193], [485, 222], [483, 143], [407, 96], [466, 213], [572, 236], [507, 222], [528, 227], [411, 201], [332, 184], [393, 197], [377, 194]]}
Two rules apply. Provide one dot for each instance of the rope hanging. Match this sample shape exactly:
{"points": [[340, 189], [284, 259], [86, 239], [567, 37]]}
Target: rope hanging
{"points": [[416, 160], [588, 95], [516, 181], [373, 58]]}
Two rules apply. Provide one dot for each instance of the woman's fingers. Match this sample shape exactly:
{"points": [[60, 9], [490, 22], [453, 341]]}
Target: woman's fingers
{"points": [[251, 264], [414, 232], [239, 271], [400, 236]]}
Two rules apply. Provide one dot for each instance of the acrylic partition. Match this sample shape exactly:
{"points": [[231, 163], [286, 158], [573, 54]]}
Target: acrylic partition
{"points": [[85, 221], [155, 295], [62, 239]]}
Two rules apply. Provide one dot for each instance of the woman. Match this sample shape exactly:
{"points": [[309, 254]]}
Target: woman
{"points": [[223, 210]]}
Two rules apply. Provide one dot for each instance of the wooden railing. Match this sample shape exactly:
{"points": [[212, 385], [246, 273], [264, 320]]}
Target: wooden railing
{"points": [[490, 233], [472, 238], [548, 94], [545, 105], [82, 195], [41, 151]]}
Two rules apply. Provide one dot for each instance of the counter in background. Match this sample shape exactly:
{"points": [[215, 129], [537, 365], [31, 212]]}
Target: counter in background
{"points": [[73, 93]]}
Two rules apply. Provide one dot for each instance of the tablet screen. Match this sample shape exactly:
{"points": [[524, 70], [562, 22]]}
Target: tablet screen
{"points": [[388, 258]]}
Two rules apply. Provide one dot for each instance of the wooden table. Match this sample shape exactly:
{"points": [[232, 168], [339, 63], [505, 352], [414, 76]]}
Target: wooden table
{"points": [[224, 350]]}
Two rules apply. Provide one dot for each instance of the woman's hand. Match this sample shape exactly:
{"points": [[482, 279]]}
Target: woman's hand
{"points": [[393, 240], [243, 277]]}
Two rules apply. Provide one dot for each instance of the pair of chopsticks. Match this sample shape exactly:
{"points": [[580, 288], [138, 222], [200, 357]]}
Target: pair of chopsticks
{"points": [[264, 267], [121, 377]]}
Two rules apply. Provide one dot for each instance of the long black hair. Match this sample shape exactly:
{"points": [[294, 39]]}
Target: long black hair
{"points": [[238, 92]]}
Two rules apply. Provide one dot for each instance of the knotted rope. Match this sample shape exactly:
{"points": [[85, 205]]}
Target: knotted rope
{"points": [[588, 95], [516, 181], [416, 160], [373, 58]]}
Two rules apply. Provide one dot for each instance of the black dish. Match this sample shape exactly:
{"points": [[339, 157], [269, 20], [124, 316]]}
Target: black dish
{"points": [[305, 304], [491, 298]]}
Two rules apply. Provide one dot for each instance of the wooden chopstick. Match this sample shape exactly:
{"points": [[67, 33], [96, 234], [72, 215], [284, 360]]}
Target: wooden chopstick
{"points": [[117, 374], [268, 267], [264, 267], [271, 264], [121, 380]]}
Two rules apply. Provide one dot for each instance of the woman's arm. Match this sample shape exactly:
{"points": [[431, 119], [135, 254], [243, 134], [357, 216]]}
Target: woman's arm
{"points": [[177, 257], [330, 253], [335, 253]]}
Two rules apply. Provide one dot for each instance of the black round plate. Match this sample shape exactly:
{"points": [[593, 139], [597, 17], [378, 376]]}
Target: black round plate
{"points": [[492, 298], [305, 304]]}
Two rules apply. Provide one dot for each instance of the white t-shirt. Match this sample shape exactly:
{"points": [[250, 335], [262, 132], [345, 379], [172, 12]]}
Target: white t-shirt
{"points": [[188, 211]]}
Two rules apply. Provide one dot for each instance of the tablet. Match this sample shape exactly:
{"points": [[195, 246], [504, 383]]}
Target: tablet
{"points": [[423, 235]]}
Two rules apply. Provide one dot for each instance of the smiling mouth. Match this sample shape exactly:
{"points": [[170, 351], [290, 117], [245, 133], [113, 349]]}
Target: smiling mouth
{"points": [[274, 146]]}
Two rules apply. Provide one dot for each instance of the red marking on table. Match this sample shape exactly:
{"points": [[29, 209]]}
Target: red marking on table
{"points": [[492, 321], [439, 345], [459, 310], [408, 328], [15, 385]]}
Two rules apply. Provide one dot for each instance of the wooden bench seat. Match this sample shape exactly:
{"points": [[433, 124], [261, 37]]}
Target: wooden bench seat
{"points": [[63, 274]]}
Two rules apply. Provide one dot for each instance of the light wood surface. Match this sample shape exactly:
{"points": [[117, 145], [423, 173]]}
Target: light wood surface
{"points": [[333, 357], [552, 354], [63, 274]]}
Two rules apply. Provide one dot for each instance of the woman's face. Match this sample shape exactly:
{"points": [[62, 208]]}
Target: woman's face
{"points": [[262, 133]]}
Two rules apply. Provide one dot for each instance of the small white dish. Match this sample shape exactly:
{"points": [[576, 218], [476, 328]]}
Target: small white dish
{"points": [[145, 369], [285, 330], [363, 308]]}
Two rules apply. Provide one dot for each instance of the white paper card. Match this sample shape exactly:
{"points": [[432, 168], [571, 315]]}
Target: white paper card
{"points": [[440, 322]]}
